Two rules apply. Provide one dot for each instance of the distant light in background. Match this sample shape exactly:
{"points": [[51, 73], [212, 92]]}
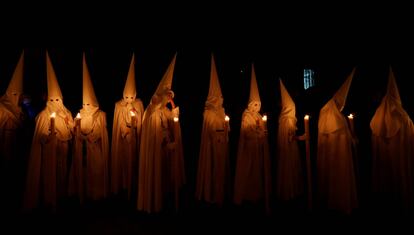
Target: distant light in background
{"points": [[308, 78]]}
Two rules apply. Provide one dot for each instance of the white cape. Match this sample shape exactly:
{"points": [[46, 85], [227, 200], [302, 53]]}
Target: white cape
{"points": [[161, 162], [213, 173], [125, 147], [253, 178]]}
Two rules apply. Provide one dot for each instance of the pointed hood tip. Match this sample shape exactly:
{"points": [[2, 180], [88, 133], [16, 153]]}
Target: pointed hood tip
{"points": [[166, 81], [130, 86], [53, 88], [254, 90], [16, 82], [342, 93], [214, 88], [88, 95], [288, 105], [392, 87]]}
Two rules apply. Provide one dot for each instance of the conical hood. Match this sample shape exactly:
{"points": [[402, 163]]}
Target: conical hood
{"points": [[16, 83], [330, 117], [340, 96], [130, 89], [392, 88], [254, 91], [53, 89], [214, 90], [390, 115], [88, 91], [166, 81], [288, 106]]}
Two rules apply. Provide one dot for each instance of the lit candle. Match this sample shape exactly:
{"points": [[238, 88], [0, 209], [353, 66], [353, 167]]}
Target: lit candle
{"points": [[351, 122], [52, 123], [176, 126], [78, 120], [226, 123], [306, 121], [308, 162], [264, 119], [133, 120], [77, 123]]}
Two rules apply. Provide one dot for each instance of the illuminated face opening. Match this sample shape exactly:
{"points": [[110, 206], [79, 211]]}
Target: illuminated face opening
{"points": [[254, 106], [128, 98], [87, 106], [14, 97], [55, 100], [56, 103], [170, 95], [166, 97]]}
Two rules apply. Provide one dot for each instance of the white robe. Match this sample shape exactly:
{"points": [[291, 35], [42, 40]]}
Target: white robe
{"points": [[393, 154], [47, 176], [289, 183], [253, 179], [90, 157], [161, 162], [335, 164], [213, 173], [125, 147]]}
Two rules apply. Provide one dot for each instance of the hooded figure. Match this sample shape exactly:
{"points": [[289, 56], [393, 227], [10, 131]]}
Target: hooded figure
{"points": [[393, 149], [126, 135], [335, 165], [252, 181], [213, 164], [11, 116], [289, 167], [47, 168], [161, 163], [91, 146]]}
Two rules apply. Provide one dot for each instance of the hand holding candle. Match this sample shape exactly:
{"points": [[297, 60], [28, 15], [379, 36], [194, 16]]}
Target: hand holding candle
{"points": [[133, 119]]}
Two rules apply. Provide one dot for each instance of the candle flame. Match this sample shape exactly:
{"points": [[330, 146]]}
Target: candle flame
{"points": [[175, 119], [53, 115], [132, 113], [306, 117], [78, 116], [227, 118], [351, 116], [264, 118]]}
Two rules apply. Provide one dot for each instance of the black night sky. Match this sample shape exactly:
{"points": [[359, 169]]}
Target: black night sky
{"points": [[279, 44]]}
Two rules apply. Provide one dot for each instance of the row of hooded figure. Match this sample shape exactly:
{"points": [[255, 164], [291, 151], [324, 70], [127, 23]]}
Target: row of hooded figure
{"points": [[71, 156], [336, 161]]}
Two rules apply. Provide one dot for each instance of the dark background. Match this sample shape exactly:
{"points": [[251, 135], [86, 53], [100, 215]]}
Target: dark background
{"points": [[280, 41]]}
